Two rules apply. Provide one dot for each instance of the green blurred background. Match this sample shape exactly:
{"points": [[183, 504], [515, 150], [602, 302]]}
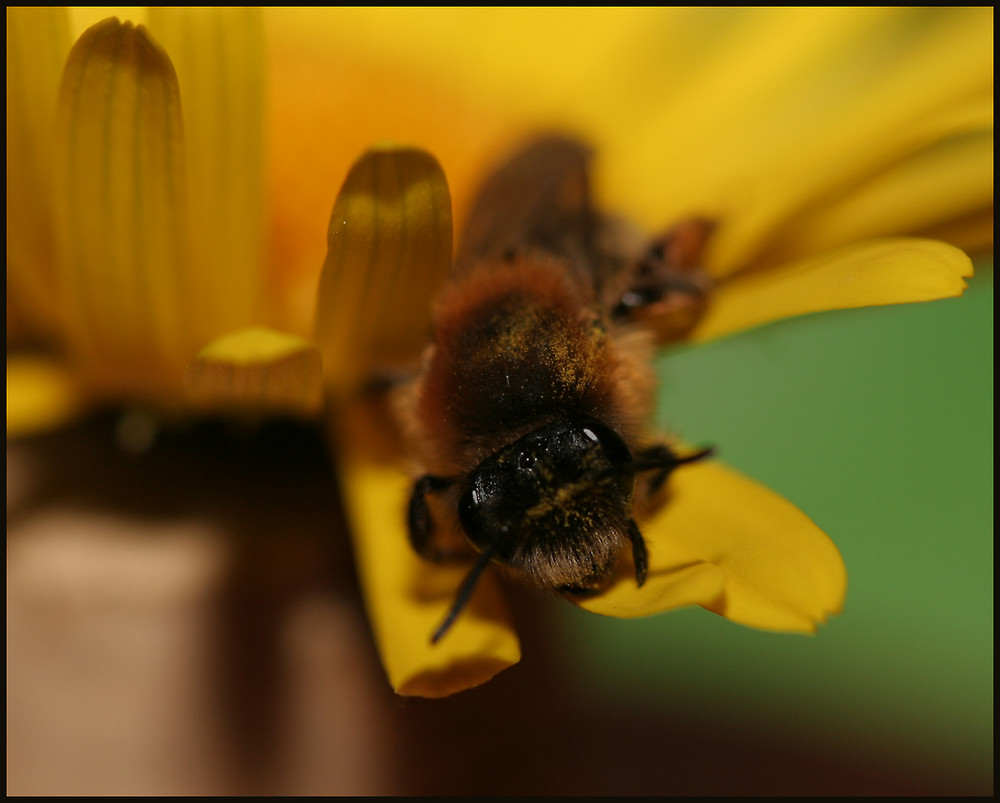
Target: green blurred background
{"points": [[878, 423]]}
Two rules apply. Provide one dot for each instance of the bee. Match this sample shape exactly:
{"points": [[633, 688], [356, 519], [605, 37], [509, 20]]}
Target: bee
{"points": [[528, 416]]}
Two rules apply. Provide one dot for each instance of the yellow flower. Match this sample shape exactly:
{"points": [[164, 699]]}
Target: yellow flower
{"points": [[817, 137], [135, 228]]}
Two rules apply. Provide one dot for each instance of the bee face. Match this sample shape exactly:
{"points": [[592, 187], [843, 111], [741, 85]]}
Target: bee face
{"points": [[554, 504]]}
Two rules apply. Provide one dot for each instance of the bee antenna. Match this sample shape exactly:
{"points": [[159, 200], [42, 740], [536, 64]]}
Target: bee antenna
{"points": [[465, 590], [664, 457], [701, 454]]}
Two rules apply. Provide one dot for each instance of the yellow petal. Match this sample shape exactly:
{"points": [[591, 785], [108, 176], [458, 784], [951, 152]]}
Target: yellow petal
{"points": [[219, 57], [677, 578], [83, 17], [750, 115], [259, 370], [389, 252], [957, 175], [406, 597], [781, 572], [41, 395], [972, 233], [122, 247], [868, 274], [332, 93], [783, 119], [497, 52], [37, 45]]}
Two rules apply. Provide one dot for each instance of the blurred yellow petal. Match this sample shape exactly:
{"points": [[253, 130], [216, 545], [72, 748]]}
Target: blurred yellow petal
{"points": [[83, 17], [37, 45], [498, 52], [878, 272], [751, 116], [957, 175], [41, 395], [122, 244], [407, 597], [389, 252], [257, 370], [781, 571], [219, 57], [972, 232], [786, 118]]}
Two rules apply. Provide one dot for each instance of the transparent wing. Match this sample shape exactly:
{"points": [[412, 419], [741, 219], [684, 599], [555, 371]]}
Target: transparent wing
{"points": [[537, 201]]}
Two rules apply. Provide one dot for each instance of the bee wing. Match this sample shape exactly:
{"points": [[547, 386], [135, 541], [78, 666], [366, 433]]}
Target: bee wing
{"points": [[538, 201]]}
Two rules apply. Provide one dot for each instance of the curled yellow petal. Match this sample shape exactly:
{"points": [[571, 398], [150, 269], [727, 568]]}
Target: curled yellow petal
{"points": [[736, 548], [41, 395], [257, 369], [389, 252], [407, 597], [122, 246], [37, 44], [892, 271]]}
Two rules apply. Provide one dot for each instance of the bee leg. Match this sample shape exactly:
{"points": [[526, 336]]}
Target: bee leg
{"points": [[383, 382], [421, 524], [640, 555], [665, 290]]}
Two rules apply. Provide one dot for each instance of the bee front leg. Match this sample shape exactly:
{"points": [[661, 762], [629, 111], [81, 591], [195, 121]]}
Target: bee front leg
{"points": [[661, 460], [421, 523]]}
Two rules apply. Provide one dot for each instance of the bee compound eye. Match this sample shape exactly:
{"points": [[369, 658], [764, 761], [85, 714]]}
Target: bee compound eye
{"points": [[607, 440], [525, 461]]}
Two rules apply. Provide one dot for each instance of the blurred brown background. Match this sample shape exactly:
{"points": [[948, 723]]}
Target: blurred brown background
{"points": [[186, 620]]}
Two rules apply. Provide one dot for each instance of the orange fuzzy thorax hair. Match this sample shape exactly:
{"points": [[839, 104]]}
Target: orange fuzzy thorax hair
{"points": [[516, 346]]}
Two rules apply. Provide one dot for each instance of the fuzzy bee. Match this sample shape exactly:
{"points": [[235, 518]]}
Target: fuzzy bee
{"points": [[528, 417]]}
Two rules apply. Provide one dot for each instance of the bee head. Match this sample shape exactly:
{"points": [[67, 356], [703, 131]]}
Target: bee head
{"points": [[554, 504]]}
